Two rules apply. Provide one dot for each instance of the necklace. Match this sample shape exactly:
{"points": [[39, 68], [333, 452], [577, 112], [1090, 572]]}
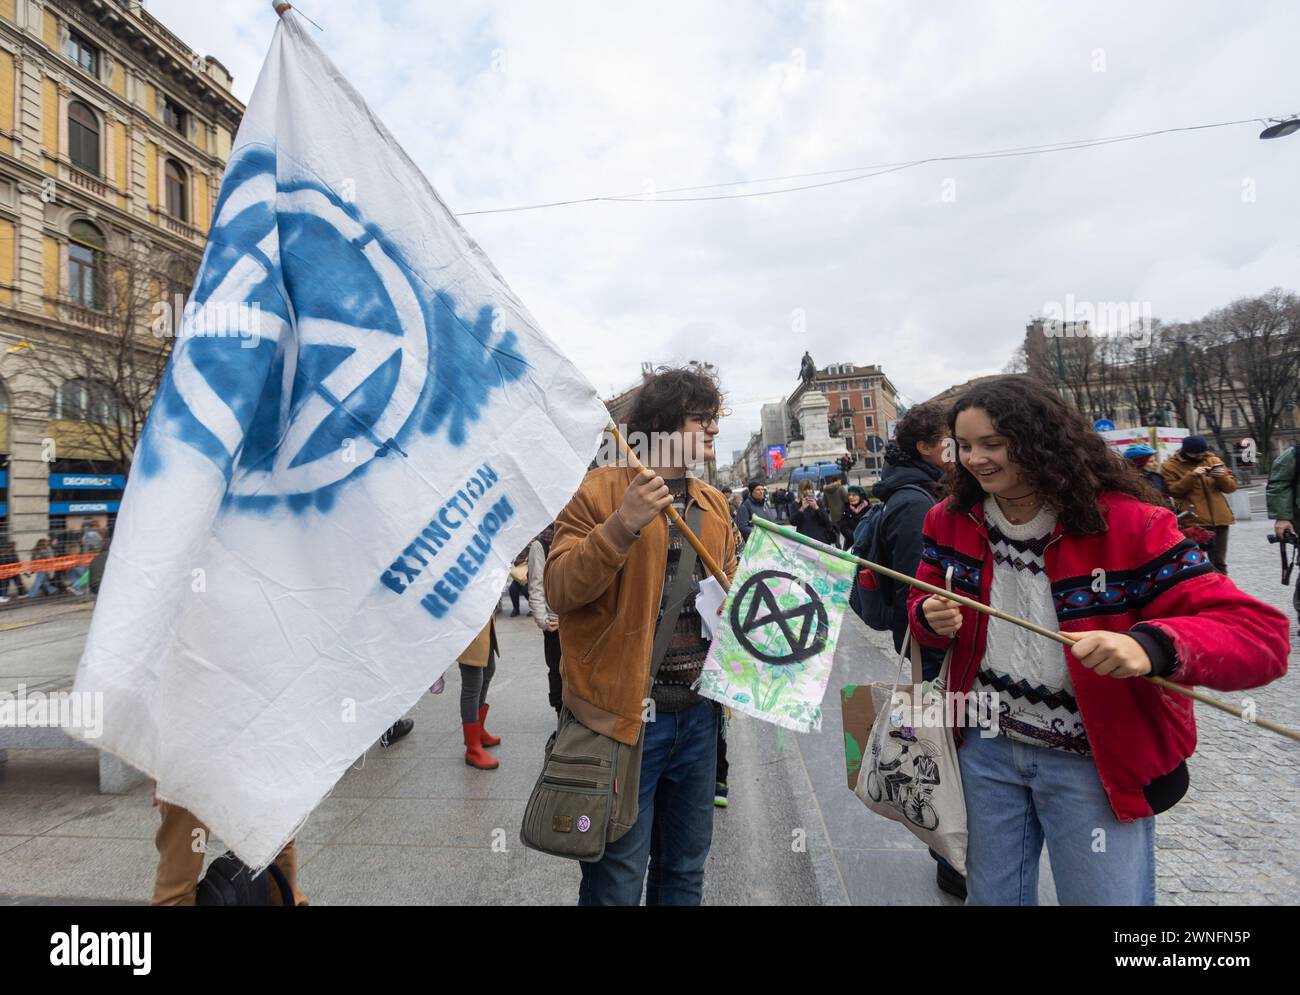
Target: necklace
{"points": [[1013, 500], [1011, 507]]}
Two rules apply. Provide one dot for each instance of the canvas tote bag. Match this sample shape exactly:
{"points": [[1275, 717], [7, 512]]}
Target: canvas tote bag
{"points": [[909, 768]]}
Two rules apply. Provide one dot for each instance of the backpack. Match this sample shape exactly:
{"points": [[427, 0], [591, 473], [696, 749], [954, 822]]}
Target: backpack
{"points": [[229, 881], [875, 604]]}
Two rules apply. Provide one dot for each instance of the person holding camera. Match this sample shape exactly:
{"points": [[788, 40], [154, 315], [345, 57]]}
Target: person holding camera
{"points": [[1283, 496], [1197, 481], [810, 518]]}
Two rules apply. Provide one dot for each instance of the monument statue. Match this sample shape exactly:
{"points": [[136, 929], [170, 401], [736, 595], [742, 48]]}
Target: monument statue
{"points": [[796, 433], [807, 369]]}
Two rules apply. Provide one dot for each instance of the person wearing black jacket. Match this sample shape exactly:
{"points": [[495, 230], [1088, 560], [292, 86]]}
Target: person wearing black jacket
{"points": [[855, 509], [754, 504], [910, 486], [810, 518]]}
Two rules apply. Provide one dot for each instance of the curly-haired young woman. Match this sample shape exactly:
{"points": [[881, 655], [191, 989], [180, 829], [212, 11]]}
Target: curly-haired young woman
{"points": [[1047, 524]]}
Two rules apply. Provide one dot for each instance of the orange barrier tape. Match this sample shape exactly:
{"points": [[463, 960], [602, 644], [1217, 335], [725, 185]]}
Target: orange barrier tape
{"points": [[53, 565]]}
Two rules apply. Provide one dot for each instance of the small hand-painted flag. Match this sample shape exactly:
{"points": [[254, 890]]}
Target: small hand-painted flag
{"points": [[780, 622]]}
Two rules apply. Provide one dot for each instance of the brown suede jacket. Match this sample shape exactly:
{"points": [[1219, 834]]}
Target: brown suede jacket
{"points": [[606, 583], [1202, 495]]}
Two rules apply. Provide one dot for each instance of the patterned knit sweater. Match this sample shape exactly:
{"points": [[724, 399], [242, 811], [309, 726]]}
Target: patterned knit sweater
{"points": [[1028, 672], [685, 655]]}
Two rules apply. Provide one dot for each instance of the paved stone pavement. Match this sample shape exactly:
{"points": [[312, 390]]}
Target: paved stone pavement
{"points": [[414, 825]]}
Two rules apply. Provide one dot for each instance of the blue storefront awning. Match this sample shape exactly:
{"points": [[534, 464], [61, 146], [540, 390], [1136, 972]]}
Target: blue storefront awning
{"points": [[82, 507]]}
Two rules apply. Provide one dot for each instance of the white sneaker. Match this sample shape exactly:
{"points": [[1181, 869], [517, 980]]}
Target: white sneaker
{"points": [[3, 600]]}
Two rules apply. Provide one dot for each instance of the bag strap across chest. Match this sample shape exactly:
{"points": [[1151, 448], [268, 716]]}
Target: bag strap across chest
{"points": [[677, 594]]}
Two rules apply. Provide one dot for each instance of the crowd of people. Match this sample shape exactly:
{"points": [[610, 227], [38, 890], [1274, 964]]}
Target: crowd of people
{"points": [[77, 579], [1011, 491], [1006, 495]]}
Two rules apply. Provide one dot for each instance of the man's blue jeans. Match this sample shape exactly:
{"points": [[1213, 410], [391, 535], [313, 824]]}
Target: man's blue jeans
{"points": [[674, 824], [1017, 796]]}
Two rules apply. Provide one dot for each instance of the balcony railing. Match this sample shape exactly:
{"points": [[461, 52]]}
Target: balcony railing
{"points": [[90, 183], [77, 314], [178, 227]]}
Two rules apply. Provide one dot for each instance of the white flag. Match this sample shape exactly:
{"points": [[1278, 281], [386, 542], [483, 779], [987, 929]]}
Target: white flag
{"points": [[359, 428]]}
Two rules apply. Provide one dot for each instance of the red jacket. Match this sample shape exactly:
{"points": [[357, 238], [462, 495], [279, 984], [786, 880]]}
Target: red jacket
{"points": [[1194, 623]]}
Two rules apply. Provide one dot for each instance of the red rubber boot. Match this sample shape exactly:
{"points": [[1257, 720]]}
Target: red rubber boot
{"points": [[475, 755], [488, 738]]}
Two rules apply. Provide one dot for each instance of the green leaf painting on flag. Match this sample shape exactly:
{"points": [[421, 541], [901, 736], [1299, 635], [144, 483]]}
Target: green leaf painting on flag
{"points": [[776, 641]]}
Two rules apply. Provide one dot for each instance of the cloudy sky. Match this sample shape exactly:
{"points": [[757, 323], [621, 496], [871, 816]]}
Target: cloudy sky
{"points": [[931, 272]]}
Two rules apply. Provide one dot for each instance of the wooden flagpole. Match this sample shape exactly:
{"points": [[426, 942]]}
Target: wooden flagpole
{"points": [[1061, 637]]}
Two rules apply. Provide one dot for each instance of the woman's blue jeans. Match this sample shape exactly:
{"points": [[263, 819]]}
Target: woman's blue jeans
{"points": [[1019, 796]]}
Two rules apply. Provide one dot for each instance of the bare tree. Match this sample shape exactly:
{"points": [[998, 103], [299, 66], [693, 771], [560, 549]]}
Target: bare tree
{"points": [[1259, 359], [1151, 374], [1019, 361], [100, 370]]}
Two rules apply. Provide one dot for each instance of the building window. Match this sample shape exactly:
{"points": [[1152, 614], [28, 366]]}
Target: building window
{"points": [[178, 189], [85, 265], [175, 116], [85, 400], [848, 443], [845, 404], [83, 137], [83, 53], [843, 386], [180, 279], [866, 402], [868, 421]]}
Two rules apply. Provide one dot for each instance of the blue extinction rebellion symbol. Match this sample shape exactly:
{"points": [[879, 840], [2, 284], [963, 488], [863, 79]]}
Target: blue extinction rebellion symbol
{"points": [[311, 347]]}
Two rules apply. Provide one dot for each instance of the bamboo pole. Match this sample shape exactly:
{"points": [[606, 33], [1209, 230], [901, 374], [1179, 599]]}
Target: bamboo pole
{"points": [[1061, 637], [676, 519]]}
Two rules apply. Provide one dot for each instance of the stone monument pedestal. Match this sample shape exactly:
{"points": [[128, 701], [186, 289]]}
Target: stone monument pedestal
{"points": [[817, 444]]}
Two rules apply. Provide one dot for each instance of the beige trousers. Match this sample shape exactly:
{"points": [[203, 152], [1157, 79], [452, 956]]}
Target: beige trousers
{"points": [[181, 841]]}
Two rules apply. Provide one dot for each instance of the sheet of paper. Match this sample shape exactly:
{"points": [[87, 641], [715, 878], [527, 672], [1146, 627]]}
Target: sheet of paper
{"points": [[707, 603]]}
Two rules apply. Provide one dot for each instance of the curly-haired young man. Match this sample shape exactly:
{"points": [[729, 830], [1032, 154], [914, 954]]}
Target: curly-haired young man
{"points": [[608, 577]]}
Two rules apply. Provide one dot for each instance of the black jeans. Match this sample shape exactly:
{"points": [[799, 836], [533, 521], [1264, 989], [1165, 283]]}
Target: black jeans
{"points": [[723, 766], [551, 648]]}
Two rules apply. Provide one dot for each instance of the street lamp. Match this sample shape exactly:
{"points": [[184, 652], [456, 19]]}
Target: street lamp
{"points": [[1187, 387], [1281, 128], [1060, 367]]}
